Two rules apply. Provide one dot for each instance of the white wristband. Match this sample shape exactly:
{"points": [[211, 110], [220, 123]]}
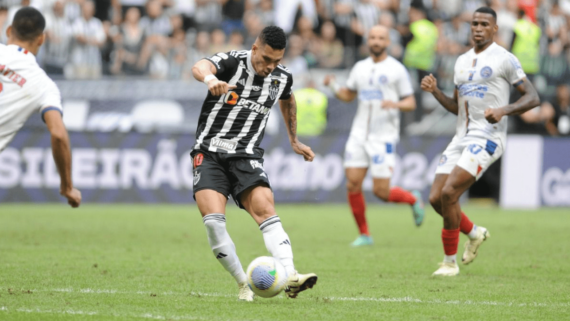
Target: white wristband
{"points": [[208, 78], [334, 86]]}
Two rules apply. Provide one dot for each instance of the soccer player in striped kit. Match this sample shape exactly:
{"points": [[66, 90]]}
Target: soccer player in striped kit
{"points": [[482, 78], [242, 88]]}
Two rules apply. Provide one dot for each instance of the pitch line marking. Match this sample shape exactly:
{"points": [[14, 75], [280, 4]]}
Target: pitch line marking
{"points": [[386, 300]]}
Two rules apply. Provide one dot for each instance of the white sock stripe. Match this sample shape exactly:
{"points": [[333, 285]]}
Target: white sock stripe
{"points": [[270, 221], [216, 217]]}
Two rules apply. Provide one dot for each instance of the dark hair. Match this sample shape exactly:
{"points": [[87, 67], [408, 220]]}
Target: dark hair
{"points": [[487, 10], [28, 24], [274, 37]]}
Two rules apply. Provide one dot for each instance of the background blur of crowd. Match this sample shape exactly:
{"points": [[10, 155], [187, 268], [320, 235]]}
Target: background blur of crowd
{"points": [[162, 39]]}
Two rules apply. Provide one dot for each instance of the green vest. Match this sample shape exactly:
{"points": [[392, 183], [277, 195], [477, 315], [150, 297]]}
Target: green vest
{"points": [[311, 112], [420, 51], [526, 47]]}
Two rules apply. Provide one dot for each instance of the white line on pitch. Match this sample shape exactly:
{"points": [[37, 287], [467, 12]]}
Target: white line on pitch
{"points": [[386, 300]]}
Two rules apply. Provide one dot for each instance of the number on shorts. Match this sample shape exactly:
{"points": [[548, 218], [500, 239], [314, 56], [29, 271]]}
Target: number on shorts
{"points": [[475, 149]]}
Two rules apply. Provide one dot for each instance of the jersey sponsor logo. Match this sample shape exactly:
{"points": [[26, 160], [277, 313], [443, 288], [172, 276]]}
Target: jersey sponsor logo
{"points": [[224, 144], [198, 159], [216, 60], [473, 90], [373, 94], [252, 105], [486, 72], [231, 98], [274, 88], [256, 88], [255, 164]]}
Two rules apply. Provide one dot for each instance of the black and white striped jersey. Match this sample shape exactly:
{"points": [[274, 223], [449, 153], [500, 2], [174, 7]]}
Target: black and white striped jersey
{"points": [[234, 123]]}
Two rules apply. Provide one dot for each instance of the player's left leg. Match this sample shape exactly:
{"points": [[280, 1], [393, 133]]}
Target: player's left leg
{"points": [[252, 192], [258, 202], [382, 165]]}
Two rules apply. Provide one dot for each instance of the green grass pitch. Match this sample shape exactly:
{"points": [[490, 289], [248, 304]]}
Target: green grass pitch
{"points": [[135, 262]]}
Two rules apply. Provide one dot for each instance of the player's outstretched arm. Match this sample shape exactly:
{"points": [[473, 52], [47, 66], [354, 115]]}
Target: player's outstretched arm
{"points": [[529, 99], [405, 104], [429, 84], [289, 111], [342, 93], [62, 156], [205, 72]]}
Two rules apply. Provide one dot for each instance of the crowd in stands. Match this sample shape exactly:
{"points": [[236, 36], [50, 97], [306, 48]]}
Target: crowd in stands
{"points": [[162, 39]]}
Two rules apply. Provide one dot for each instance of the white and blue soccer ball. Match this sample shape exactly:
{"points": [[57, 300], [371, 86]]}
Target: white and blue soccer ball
{"points": [[266, 276]]}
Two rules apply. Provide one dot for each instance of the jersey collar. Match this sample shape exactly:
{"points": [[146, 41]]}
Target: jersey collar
{"points": [[20, 49]]}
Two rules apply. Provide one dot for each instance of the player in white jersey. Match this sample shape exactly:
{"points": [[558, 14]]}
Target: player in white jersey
{"points": [[384, 89], [483, 77], [25, 89]]}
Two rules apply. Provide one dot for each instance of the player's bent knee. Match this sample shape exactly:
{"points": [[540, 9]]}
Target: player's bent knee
{"points": [[353, 186], [449, 194], [382, 193]]}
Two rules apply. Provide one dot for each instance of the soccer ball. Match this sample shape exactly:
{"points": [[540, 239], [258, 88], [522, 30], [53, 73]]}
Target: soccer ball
{"points": [[266, 276]]}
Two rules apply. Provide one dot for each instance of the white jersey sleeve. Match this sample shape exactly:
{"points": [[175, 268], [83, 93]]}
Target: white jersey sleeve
{"points": [[512, 69], [352, 82], [51, 99], [404, 85]]}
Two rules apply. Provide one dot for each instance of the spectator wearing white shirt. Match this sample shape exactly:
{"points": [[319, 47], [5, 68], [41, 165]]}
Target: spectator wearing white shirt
{"points": [[89, 37], [58, 40]]}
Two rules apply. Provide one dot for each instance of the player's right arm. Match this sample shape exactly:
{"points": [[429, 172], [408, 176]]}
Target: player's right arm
{"points": [[206, 70], [62, 155], [342, 93], [429, 84]]}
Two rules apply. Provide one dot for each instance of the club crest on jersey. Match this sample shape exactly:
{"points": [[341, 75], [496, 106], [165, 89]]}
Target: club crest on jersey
{"points": [[486, 72], [231, 98], [274, 88], [383, 79]]}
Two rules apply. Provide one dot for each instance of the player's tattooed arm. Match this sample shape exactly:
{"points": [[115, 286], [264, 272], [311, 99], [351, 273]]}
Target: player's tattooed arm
{"points": [[289, 111], [529, 99], [429, 84]]}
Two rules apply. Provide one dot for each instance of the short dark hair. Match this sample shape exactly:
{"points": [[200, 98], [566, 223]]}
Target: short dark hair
{"points": [[274, 37], [28, 24], [487, 10]]}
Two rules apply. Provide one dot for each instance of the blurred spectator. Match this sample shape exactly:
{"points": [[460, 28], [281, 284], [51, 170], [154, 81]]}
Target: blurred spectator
{"points": [[340, 11], [253, 26], [366, 15], [177, 54], [208, 14], [126, 4], [264, 10], [58, 40], [328, 50], [539, 121], [457, 31], [89, 37], [294, 59], [309, 38], [554, 71], [236, 41], [186, 8], [219, 44], [232, 11], [128, 39], [556, 25], [562, 108], [395, 49], [73, 9], [525, 45], [506, 20], [311, 111], [155, 22], [421, 42], [200, 50], [286, 10]]}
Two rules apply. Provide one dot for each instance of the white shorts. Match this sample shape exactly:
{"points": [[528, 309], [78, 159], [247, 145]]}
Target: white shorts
{"points": [[473, 154], [378, 156]]}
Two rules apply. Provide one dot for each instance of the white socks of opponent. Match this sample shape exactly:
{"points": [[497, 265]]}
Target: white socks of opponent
{"points": [[223, 247], [276, 241]]}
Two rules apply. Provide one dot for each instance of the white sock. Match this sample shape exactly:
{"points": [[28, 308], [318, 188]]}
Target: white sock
{"points": [[473, 233], [450, 258], [222, 245], [277, 242]]}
